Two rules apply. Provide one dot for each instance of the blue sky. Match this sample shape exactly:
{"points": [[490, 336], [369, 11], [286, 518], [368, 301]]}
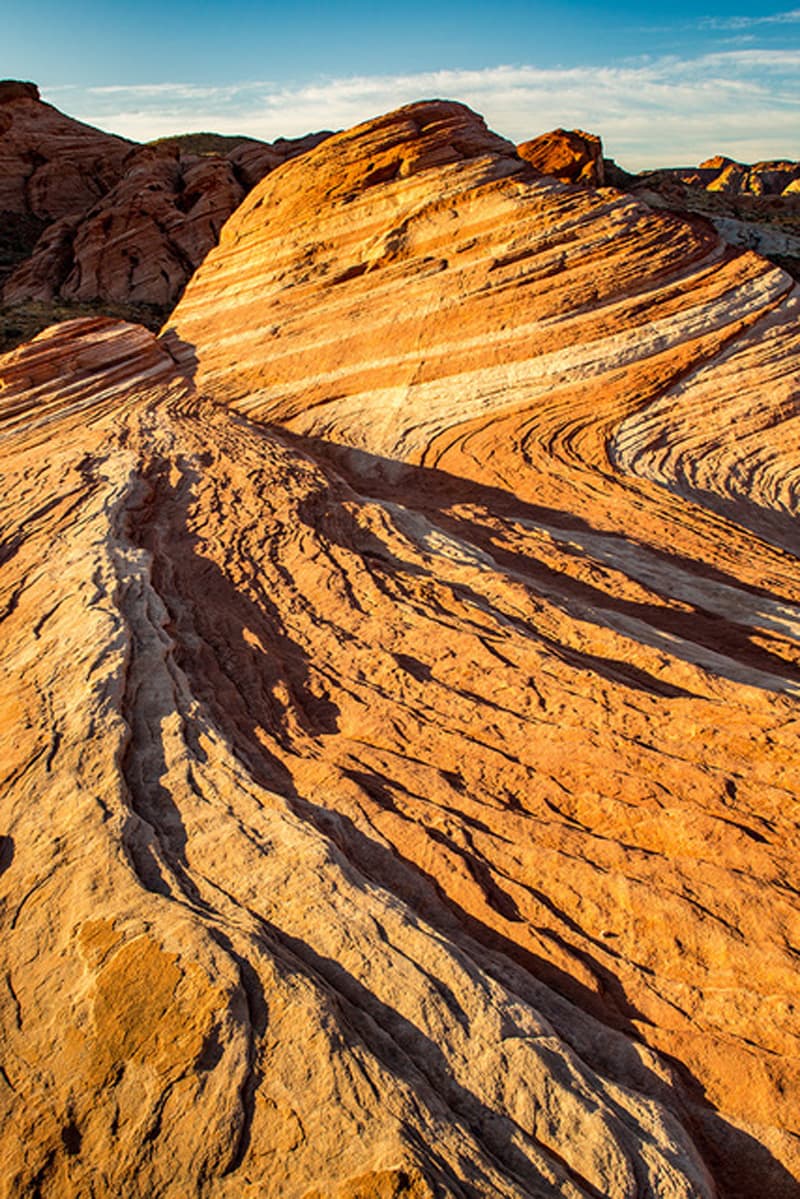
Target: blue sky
{"points": [[676, 87]]}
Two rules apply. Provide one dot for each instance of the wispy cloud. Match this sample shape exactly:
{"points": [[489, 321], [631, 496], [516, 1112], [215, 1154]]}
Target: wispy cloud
{"points": [[792, 17], [183, 91], [741, 102]]}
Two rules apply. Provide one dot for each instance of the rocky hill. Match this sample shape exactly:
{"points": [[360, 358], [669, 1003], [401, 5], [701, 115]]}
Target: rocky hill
{"points": [[89, 218], [569, 155], [50, 167], [720, 174], [754, 207], [399, 669], [93, 223]]}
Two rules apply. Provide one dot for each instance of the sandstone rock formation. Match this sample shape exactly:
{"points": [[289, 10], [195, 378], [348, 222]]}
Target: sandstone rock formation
{"points": [[145, 237], [726, 176], [569, 155], [141, 242], [400, 703], [761, 179], [754, 207], [17, 89], [51, 166]]}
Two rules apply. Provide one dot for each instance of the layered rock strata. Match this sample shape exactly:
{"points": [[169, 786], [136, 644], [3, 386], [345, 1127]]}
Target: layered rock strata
{"points": [[51, 166], [754, 207], [400, 702], [536, 318], [220, 979], [142, 241]]}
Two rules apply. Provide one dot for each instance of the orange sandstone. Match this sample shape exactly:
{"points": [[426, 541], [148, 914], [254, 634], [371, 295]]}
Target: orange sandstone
{"points": [[401, 696]]}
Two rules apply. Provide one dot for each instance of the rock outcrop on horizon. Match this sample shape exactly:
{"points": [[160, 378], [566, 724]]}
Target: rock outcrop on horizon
{"points": [[721, 174], [753, 207], [91, 217], [142, 241], [51, 167], [569, 155], [400, 669]]}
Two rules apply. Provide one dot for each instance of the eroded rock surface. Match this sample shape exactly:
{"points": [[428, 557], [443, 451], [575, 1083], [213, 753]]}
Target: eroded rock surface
{"points": [[255, 993], [51, 165], [754, 207], [569, 155], [142, 241], [399, 740], [720, 174]]}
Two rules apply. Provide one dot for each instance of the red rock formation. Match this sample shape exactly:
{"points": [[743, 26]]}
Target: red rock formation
{"points": [[16, 89], [534, 319], [414, 743], [746, 216], [569, 155], [716, 164], [251, 161], [51, 166], [725, 176], [142, 242], [761, 179], [144, 239]]}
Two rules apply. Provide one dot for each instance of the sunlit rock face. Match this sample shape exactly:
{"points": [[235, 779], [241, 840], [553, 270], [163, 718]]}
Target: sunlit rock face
{"points": [[398, 703], [724, 176], [761, 179], [569, 155], [753, 207]]}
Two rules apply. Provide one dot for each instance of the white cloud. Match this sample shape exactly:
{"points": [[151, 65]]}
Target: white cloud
{"points": [[745, 103], [792, 17]]}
